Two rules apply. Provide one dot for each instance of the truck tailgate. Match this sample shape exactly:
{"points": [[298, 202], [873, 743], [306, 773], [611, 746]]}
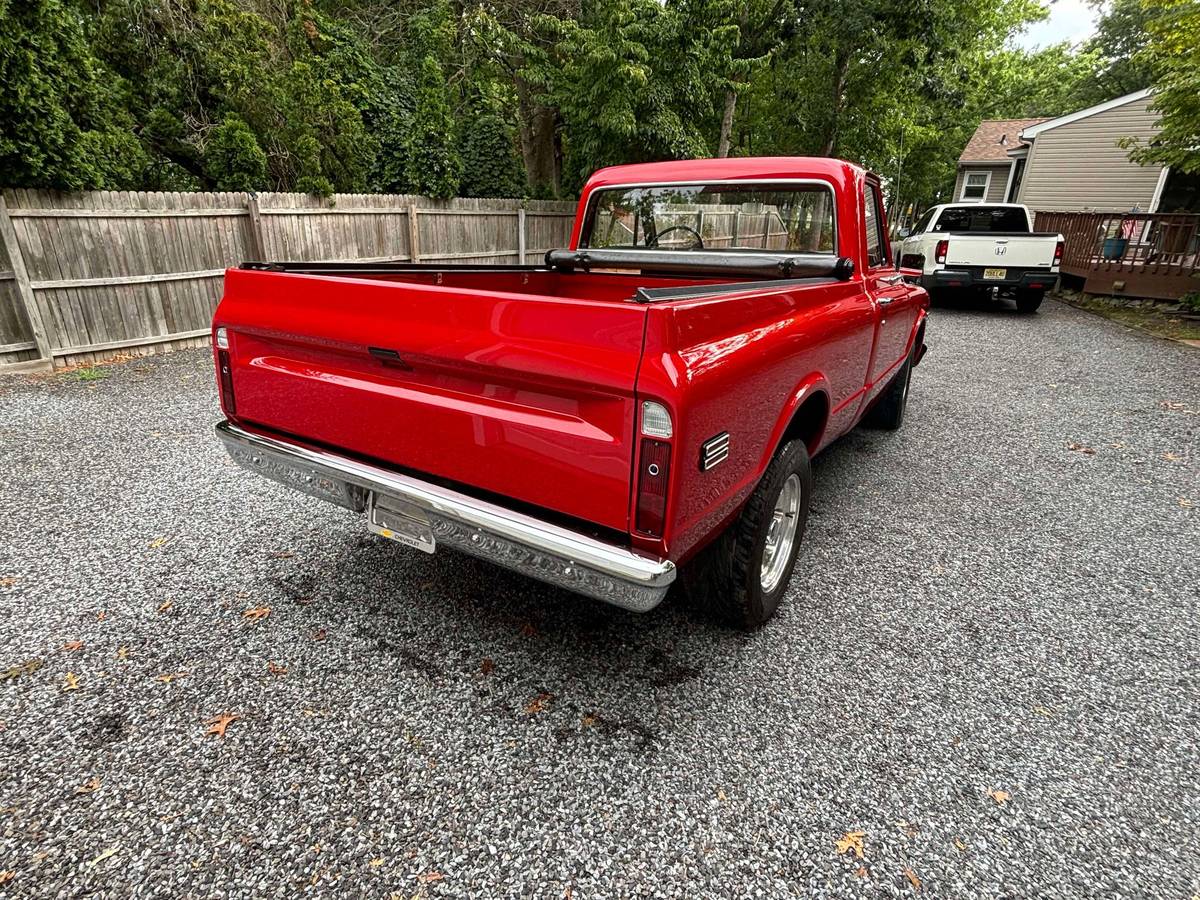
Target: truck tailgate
{"points": [[528, 397], [1016, 251]]}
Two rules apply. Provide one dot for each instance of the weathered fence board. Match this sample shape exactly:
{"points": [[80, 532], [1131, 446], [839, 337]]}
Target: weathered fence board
{"points": [[85, 276]]}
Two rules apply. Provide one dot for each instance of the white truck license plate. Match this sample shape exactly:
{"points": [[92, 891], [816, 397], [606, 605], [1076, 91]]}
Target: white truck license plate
{"points": [[995, 274], [399, 521]]}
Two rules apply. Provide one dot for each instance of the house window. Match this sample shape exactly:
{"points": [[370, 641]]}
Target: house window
{"points": [[975, 187]]}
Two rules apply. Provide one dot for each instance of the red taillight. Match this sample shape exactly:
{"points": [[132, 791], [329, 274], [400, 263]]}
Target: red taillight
{"points": [[1058, 251], [225, 371], [943, 247], [653, 475]]}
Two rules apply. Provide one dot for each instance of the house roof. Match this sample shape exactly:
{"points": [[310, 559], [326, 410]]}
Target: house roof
{"points": [[994, 138], [1037, 126]]}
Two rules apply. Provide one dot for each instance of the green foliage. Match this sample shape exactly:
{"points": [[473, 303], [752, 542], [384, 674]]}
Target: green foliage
{"points": [[1173, 55], [434, 167], [232, 158], [1190, 302], [491, 167], [504, 97], [60, 124]]}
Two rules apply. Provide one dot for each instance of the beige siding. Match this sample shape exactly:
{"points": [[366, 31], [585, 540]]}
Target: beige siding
{"points": [[995, 192], [1079, 167]]}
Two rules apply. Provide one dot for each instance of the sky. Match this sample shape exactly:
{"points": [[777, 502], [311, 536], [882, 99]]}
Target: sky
{"points": [[1070, 20]]}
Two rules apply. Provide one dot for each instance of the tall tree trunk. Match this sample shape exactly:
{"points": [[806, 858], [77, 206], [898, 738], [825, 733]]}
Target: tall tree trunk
{"points": [[539, 143], [727, 123], [841, 68]]}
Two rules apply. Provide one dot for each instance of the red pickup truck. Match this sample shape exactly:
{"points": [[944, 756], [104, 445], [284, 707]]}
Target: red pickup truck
{"points": [[644, 402]]}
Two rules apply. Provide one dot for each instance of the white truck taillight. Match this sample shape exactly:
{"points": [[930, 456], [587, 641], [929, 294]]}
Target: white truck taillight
{"points": [[1058, 252], [941, 251]]}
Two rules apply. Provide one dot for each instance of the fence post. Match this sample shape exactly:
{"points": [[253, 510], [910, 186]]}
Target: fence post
{"points": [[8, 236], [521, 236], [257, 245], [414, 235]]}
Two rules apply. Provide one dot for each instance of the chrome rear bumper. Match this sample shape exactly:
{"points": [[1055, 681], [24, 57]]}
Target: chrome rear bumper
{"points": [[534, 547]]}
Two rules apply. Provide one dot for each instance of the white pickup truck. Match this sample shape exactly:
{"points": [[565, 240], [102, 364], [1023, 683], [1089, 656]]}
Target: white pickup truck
{"points": [[981, 246]]}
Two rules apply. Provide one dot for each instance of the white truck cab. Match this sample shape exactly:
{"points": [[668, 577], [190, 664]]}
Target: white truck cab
{"points": [[981, 246]]}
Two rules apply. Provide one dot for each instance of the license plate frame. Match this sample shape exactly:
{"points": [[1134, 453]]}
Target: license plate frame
{"points": [[995, 274], [399, 521]]}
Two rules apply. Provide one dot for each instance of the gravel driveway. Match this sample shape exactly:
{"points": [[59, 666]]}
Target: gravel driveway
{"points": [[987, 664]]}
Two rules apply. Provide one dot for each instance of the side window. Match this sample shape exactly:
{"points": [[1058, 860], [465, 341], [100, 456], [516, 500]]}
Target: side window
{"points": [[876, 245], [923, 223]]}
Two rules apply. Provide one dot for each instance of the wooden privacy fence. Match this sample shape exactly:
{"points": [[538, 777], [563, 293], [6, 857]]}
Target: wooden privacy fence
{"points": [[1135, 254], [84, 277]]}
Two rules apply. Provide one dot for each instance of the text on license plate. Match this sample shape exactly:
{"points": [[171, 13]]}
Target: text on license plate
{"points": [[995, 274]]}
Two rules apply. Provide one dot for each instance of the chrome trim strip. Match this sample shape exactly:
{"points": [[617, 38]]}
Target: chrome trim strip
{"points": [[529, 545]]}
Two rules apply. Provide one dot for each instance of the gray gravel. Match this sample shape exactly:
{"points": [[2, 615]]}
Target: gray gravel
{"points": [[978, 608]]}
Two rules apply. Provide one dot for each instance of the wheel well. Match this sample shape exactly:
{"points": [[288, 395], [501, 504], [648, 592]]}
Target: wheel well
{"points": [[808, 421]]}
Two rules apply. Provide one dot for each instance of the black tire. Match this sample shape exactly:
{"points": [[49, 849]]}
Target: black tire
{"points": [[1029, 301], [888, 411], [726, 579]]}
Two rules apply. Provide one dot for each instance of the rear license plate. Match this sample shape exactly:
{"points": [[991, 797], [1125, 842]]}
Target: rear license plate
{"points": [[995, 274], [399, 521]]}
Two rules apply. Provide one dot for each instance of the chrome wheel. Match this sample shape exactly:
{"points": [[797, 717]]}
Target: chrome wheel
{"points": [[781, 534]]}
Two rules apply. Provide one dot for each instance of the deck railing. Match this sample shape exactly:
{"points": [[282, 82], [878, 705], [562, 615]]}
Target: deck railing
{"points": [[1136, 254]]}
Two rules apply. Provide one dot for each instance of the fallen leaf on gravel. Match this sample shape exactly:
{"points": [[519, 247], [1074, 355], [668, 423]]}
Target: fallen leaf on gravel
{"points": [[1043, 710], [1081, 449], [376, 862], [218, 724], [101, 616], [123, 653], [429, 877], [258, 612], [1172, 457], [487, 666], [72, 682], [281, 554], [959, 844], [111, 851], [165, 605], [26, 668], [7, 875], [851, 841], [1186, 503], [527, 630], [8, 581], [861, 872], [589, 720], [88, 786], [320, 634], [999, 796], [72, 646], [168, 677], [158, 542], [912, 878], [276, 670], [537, 704]]}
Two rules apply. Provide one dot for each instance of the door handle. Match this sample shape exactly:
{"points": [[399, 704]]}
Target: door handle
{"points": [[892, 279]]}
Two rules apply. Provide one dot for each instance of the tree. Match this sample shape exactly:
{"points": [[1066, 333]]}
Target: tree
{"points": [[233, 160], [63, 122], [434, 167], [491, 167], [1173, 56]]}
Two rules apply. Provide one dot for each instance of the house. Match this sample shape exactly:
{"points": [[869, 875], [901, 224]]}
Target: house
{"points": [[1072, 163], [985, 170]]}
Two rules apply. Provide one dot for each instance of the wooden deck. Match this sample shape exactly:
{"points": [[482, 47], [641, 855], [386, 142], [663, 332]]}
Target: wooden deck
{"points": [[1130, 254]]}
